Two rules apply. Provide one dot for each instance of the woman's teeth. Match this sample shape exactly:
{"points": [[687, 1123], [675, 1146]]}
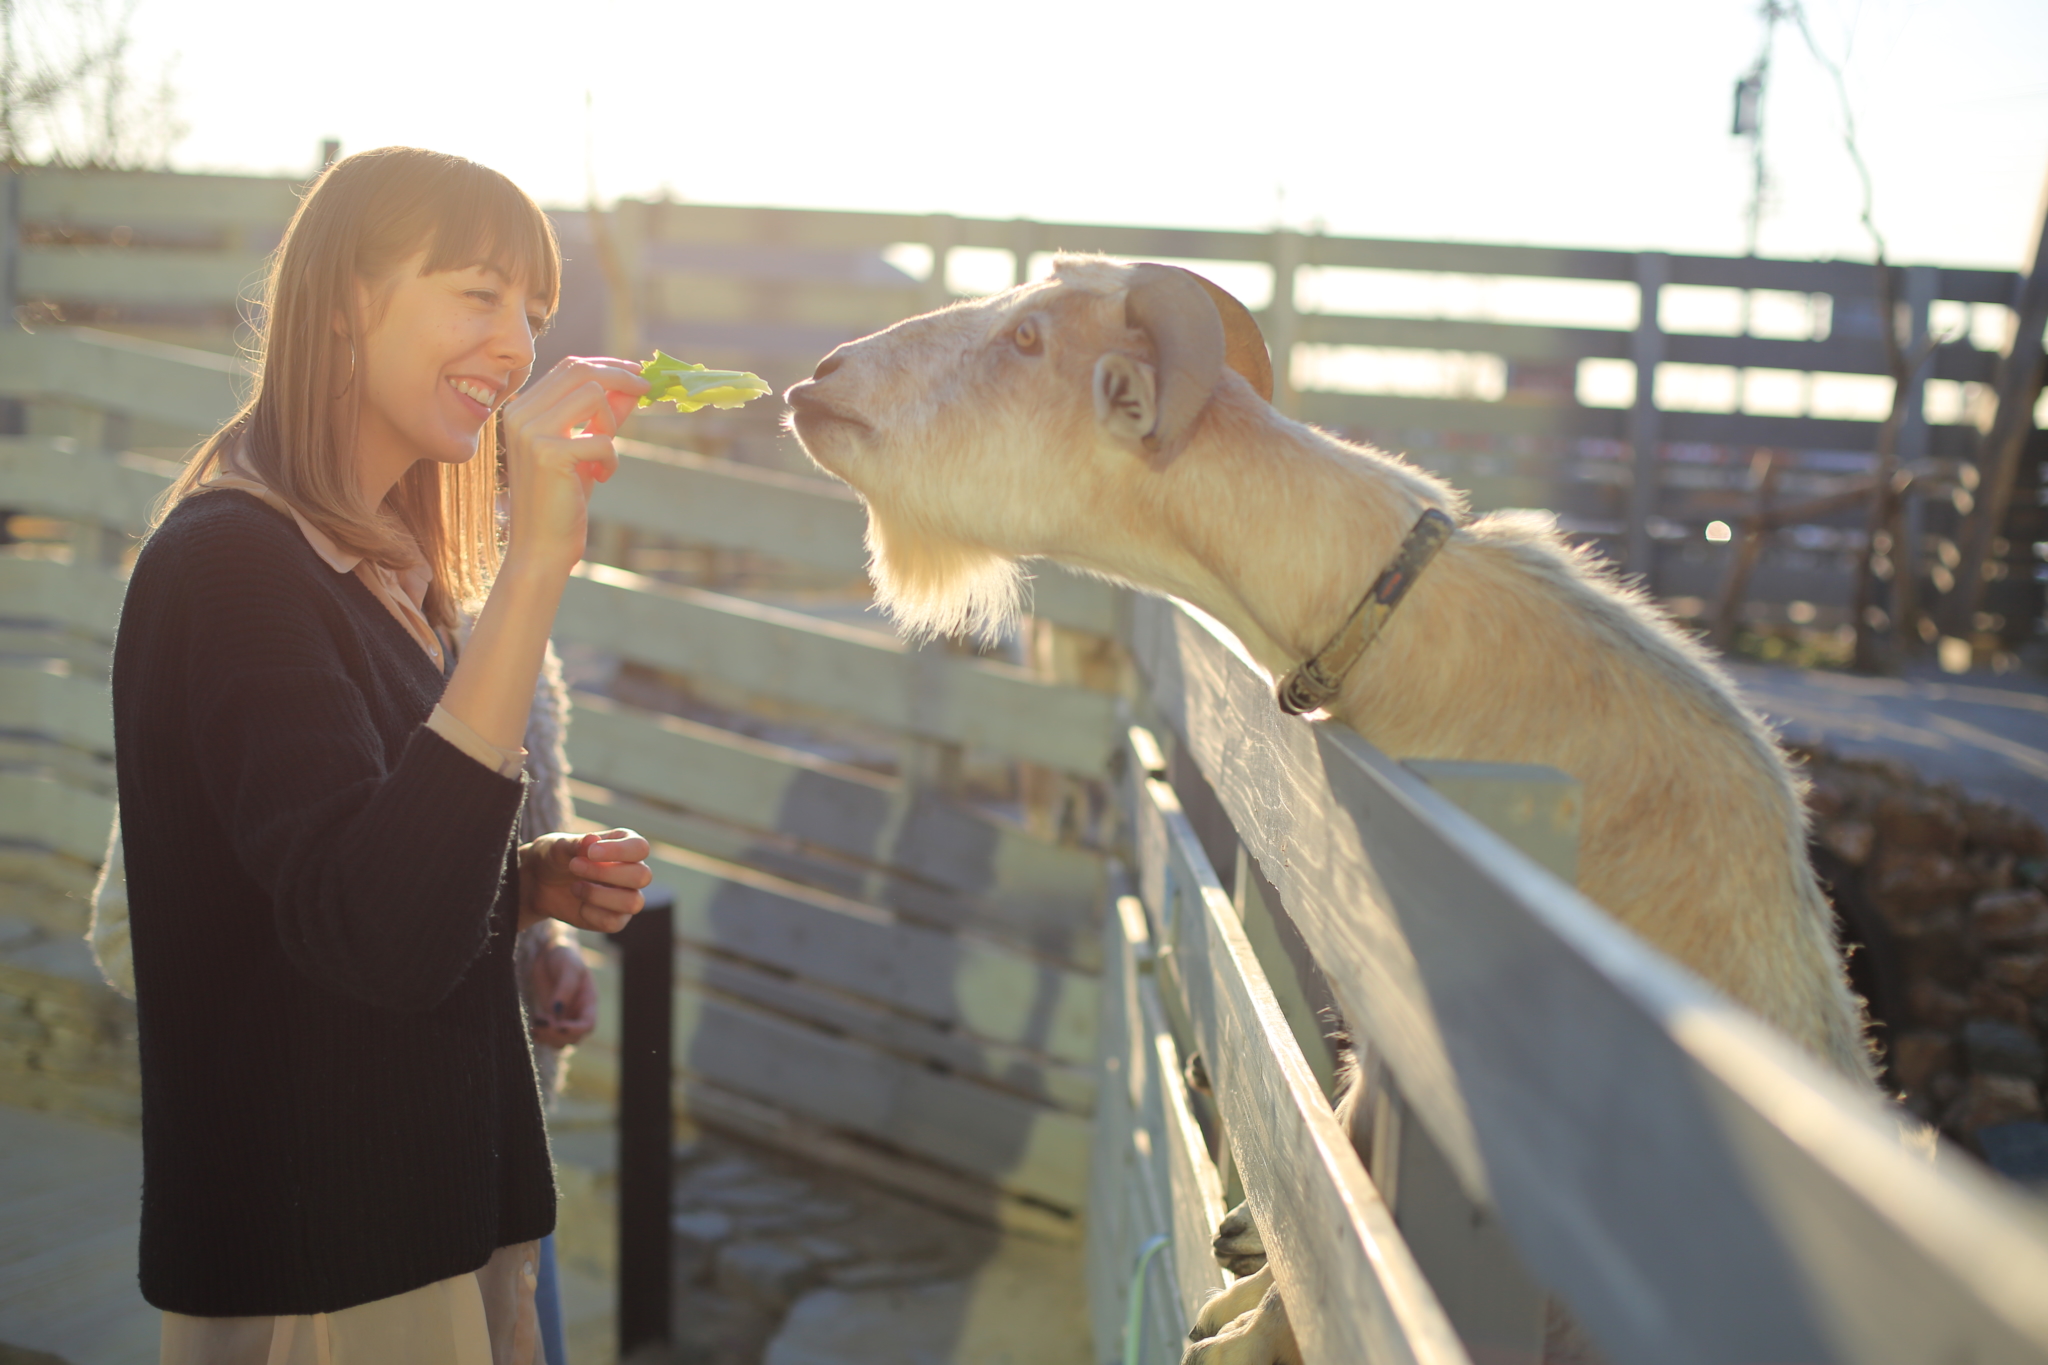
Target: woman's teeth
{"points": [[477, 392]]}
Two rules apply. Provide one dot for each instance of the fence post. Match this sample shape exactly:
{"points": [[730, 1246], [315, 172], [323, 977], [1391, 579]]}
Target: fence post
{"points": [[939, 233], [1023, 245], [2017, 385], [10, 245], [646, 1126], [1281, 325], [1645, 424]]}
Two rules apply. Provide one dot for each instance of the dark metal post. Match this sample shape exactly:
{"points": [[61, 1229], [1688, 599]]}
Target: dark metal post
{"points": [[646, 1125]]}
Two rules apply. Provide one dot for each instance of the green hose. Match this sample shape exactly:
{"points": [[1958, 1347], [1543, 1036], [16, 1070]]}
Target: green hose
{"points": [[1134, 1322]]}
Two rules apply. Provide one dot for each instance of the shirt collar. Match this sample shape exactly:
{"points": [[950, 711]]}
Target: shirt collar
{"points": [[413, 580]]}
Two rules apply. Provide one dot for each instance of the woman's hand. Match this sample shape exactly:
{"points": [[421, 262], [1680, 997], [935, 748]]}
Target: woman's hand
{"points": [[564, 996], [558, 440], [592, 881]]}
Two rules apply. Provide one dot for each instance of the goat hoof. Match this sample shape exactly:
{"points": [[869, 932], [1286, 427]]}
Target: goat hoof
{"points": [[1197, 1075]]}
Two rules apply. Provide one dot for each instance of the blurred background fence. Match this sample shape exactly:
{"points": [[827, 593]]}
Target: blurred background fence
{"points": [[1509, 370]]}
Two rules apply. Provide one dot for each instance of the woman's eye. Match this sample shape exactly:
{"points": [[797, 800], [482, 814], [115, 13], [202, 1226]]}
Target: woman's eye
{"points": [[537, 326], [489, 296]]}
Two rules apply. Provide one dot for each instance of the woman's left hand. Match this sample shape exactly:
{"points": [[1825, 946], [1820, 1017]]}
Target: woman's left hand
{"points": [[592, 881], [564, 996]]}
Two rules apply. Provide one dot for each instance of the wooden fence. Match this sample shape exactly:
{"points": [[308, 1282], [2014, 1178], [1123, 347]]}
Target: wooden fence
{"points": [[1555, 1107], [875, 968], [871, 965], [1647, 475]]}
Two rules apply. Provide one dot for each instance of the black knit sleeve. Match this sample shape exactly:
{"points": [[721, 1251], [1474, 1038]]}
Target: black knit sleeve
{"points": [[383, 875]]}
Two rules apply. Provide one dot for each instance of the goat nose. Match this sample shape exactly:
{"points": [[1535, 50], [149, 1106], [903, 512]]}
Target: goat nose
{"points": [[828, 365]]}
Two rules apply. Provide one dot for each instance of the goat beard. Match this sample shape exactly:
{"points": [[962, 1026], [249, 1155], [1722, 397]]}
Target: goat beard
{"points": [[933, 584]]}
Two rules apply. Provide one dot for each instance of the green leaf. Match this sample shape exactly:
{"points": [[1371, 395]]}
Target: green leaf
{"points": [[691, 387]]}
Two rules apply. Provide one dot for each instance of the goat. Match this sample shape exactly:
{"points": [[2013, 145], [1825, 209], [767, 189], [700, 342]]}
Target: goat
{"points": [[1116, 418]]}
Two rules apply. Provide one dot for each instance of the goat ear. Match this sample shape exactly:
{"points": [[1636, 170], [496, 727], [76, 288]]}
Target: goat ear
{"points": [[1170, 306], [1126, 399]]}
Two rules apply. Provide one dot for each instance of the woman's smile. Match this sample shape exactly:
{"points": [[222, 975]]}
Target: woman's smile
{"points": [[476, 394]]}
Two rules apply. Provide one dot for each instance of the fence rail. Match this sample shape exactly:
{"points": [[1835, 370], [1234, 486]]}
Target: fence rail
{"points": [[774, 289], [1691, 1185], [869, 960]]}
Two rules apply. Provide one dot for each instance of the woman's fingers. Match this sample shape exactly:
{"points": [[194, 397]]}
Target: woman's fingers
{"points": [[619, 376]]}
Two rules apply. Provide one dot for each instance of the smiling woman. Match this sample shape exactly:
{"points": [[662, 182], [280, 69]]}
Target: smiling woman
{"points": [[343, 1154]]}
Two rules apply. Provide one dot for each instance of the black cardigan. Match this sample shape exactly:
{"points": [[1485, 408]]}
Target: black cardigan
{"points": [[338, 1095]]}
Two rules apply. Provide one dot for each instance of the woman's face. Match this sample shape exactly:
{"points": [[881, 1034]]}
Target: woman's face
{"points": [[439, 354]]}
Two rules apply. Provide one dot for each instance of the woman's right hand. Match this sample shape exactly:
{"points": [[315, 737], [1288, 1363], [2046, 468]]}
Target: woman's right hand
{"points": [[558, 440]]}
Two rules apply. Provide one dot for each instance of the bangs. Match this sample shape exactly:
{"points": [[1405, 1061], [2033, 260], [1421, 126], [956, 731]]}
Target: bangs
{"points": [[484, 219]]}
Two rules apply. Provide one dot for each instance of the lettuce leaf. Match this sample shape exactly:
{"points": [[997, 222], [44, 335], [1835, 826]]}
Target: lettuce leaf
{"points": [[691, 387]]}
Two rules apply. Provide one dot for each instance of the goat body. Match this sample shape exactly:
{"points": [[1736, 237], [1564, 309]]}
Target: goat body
{"points": [[1029, 424]]}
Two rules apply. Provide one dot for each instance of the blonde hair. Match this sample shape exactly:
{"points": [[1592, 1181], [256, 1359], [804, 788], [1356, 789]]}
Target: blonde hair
{"points": [[363, 217]]}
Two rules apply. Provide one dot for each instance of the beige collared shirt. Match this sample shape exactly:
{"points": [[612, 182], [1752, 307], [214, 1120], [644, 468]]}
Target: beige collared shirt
{"points": [[486, 1317]]}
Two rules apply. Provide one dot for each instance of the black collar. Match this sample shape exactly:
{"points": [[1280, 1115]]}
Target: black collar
{"points": [[1316, 682]]}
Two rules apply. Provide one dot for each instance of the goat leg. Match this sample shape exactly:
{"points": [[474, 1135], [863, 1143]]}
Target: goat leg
{"points": [[1237, 1246], [1259, 1336]]}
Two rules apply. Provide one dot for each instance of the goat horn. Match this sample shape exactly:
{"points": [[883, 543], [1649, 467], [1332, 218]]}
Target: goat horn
{"points": [[1196, 330], [1244, 344]]}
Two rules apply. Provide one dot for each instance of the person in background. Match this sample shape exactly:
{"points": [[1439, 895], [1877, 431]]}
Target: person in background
{"points": [[344, 1157]]}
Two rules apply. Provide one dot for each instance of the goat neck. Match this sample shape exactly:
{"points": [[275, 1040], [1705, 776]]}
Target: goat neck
{"points": [[1277, 529]]}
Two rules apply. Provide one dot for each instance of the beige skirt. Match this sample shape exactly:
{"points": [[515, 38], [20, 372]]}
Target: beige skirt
{"points": [[483, 1318]]}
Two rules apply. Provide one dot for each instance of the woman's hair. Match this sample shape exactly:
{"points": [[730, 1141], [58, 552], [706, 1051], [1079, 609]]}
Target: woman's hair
{"points": [[366, 215]]}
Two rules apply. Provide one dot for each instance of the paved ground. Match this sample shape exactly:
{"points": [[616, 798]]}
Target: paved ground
{"points": [[70, 1196], [1989, 735], [779, 1262]]}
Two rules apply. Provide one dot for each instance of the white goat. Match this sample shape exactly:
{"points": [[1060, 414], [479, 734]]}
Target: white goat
{"points": [[1115, 418]]}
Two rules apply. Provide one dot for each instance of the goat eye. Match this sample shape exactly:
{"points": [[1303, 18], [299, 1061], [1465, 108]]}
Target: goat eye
{"points": [[1026, 337]]}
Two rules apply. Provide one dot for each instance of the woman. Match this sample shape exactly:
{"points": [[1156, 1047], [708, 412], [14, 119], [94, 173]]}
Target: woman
{"points": [[343, 1153]]}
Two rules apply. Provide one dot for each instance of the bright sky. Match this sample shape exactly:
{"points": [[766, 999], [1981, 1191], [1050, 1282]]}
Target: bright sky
{"points": [[1587, 122]]}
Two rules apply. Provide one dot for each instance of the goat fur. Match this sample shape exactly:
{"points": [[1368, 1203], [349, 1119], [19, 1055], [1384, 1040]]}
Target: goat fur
{"points": [[974, 455]]}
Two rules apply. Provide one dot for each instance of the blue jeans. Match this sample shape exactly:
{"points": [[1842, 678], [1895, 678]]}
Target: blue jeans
{"points": [[547, 1305]]}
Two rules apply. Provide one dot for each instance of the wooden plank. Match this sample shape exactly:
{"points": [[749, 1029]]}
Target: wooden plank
{"points": [[1645, 421], [1339, 1260], [1022, 1147], [1113, 1231], [51, 477], [155, 198], [1519, 341], [121, 275], [2015, 395], [860, 673], [816, 522], [1003, 1066], [1394, 412], [75, 711], [53, 815], [703, 501], [962, 981], [839, 808], [971, 1197], [1064, 940], [1193, 1186], [86, 600], [1696, 1188], [194, 390]]}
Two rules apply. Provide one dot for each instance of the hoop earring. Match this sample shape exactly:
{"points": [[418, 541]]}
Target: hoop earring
{"points": [[350, 382]]}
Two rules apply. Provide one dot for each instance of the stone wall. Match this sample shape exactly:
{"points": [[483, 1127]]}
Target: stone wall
{"points": [[1946, 895]]}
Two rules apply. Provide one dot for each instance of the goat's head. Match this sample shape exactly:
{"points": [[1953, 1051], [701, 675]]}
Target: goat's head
{"points": [[1035, 422]]}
